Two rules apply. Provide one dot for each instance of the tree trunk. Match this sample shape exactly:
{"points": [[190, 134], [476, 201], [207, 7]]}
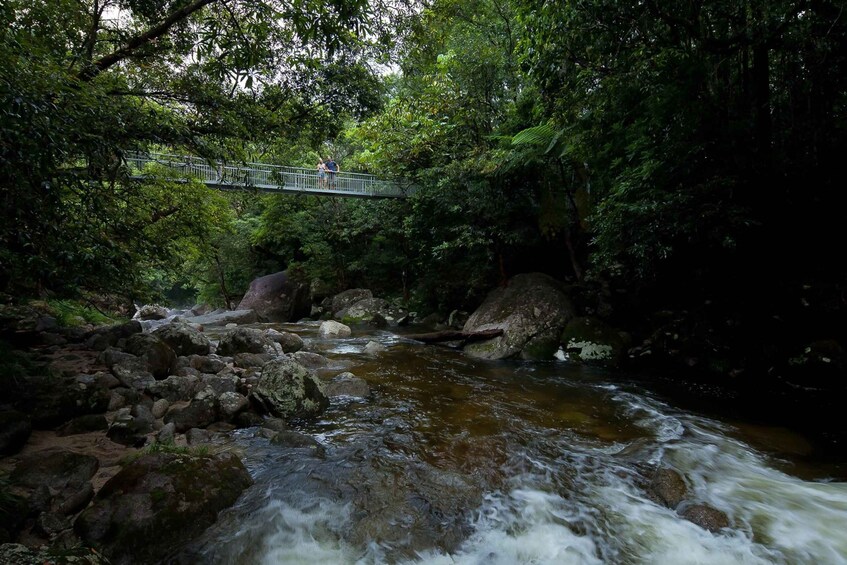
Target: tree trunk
{"points": [[455, 335]]}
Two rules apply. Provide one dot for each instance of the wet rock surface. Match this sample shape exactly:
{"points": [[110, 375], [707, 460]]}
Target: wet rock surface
{"points": [[176, 496]]}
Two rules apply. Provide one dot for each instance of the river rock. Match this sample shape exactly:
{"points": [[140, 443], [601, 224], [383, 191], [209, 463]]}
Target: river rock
{"points": [[277, 298], [288, 390], [224, 318], [83, 424], [112, 356], [160, 358], [159, 502], [705, 516], [532, 311], [64, 474], [175, 388], [151, 312], [103, 337], [132, 373], [184, 339], [17, 554], [347, 384], [52, 401], [160, 408], [374, 348], [332, 329], [290, 342], [245, 340], [310, 360], [251, 360], [207, 363], [199, 413], [290, 438], [129, 430], [344, 299], [231, 403], [669, 487], [362, 310], [413, 508]]}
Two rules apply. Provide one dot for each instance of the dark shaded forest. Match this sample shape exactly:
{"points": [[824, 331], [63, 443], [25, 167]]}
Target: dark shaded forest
{"points": [[676, 163]]}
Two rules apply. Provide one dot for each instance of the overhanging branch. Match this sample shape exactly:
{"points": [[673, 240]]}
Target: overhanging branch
{"points": [[143, 39]]}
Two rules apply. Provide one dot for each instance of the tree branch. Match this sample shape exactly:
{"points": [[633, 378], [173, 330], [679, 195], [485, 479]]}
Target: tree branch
{"points": [[145, 38]]}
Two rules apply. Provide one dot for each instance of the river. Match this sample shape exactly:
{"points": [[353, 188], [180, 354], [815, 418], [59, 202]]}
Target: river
{"points": [[458, 460]]}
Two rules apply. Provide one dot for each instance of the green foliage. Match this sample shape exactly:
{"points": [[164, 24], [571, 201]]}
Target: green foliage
{"points": [[684, 114], [70, 313], [220, 78]]}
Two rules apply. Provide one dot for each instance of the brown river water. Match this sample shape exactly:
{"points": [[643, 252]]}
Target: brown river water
{"points": [[458, 460]]}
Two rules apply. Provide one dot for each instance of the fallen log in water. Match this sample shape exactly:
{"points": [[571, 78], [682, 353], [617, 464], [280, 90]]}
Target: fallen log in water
{"points": [[455, 335]]}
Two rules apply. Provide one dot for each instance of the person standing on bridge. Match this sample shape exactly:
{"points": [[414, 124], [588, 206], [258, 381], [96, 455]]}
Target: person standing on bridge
{"points": [[332, 170], [321, 173]]}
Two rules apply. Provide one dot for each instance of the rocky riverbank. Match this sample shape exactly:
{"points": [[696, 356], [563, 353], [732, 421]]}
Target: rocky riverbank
{"points": [[109, 432]]}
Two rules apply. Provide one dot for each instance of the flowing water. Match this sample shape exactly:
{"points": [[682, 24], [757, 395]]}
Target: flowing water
{"points": [[457, 460]]}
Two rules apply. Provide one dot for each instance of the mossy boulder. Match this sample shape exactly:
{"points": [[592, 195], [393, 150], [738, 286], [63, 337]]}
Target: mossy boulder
{"points": [[159, 502], [289, 390], [589, 339], [532, 310]]}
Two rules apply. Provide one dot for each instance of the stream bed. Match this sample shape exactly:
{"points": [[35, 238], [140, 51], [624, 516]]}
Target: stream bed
{"points": [[458, 460]]}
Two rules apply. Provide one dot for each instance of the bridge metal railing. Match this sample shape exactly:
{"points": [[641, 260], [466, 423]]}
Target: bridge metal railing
{"points": [[265, 177]]}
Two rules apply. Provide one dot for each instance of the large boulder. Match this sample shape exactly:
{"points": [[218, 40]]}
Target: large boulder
{"points": [[532, 311], [159, 502], [184, 339], [277, 298], [289, 390]]}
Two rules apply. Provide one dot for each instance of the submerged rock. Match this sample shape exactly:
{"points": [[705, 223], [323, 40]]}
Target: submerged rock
{"points": [[705, 516], [669, 487], [347, 384]]}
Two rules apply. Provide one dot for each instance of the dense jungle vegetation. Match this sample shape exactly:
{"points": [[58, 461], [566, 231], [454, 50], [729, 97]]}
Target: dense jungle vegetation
{"points": [[678, 162]]}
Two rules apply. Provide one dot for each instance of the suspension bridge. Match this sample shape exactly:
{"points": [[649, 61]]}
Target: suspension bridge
{"points": [[264, 177]]}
